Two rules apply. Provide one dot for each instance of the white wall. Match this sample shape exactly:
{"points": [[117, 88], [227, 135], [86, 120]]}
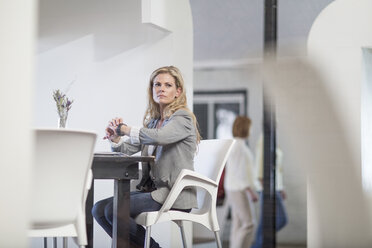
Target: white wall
{"points": [[17, 35], [335, 46], [337, 215], [108, 49]]}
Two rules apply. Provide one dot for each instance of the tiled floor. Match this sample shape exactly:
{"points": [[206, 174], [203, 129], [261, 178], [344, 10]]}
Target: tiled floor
{"points": [[226, 245], [225, 242], [290, 246]]}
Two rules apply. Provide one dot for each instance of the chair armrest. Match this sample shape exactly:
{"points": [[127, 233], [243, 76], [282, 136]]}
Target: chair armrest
{"points": [[187, 178], [89, 180]]}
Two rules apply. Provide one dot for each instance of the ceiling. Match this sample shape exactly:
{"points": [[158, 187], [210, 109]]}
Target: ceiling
{"points": [[233, 30]]}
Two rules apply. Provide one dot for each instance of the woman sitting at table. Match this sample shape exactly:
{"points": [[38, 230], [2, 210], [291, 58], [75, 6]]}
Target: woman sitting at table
{"points": [[170, 134]]}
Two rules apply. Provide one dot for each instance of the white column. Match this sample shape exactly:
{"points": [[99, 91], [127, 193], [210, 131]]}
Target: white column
{"points": [[17, 35], [335, 46]]}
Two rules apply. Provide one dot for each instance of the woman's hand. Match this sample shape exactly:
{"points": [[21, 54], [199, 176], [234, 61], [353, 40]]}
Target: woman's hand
{"points": [[111, 133], [253, 194], [116, 121], [283, 194]]}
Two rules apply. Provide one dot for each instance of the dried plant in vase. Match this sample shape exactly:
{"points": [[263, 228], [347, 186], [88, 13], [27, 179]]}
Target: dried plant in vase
{"points": [[63, 106]]}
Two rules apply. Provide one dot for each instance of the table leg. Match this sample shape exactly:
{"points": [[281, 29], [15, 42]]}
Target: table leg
{"points": [[88, 216], [120, 228]]}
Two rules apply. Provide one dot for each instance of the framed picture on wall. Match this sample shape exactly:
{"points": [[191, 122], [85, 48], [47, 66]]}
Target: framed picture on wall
{"points": [[216, 111]]}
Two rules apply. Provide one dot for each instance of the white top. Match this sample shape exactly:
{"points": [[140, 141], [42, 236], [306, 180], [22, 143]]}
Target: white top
{"points": [[239, 172], [259, 165]]}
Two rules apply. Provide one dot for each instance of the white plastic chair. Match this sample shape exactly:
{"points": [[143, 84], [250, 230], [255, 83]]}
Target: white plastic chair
{"points": [[208, 164], [87, 188], [60, 181]]}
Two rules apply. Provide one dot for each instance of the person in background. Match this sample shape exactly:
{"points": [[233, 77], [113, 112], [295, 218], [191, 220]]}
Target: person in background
{"points": [[281, 215], [169, 133], [239, 186]]}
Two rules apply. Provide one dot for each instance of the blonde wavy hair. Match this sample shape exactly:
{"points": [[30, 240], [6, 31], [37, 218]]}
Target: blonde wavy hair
{"points": [[153, 108]]}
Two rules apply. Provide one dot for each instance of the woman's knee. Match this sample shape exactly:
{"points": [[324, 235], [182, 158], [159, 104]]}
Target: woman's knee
{"points": [[99, 207], [97, 211], [248, 227]]}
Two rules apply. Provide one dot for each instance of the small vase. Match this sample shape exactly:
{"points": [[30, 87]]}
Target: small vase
{"points": [[62, 120]]}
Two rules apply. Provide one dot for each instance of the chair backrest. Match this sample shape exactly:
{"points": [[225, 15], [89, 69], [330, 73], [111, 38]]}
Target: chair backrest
{"points": [[210, 160], [62, 160], [211, 157]]}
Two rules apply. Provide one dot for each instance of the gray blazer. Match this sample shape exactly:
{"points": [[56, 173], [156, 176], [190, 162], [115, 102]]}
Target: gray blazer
{"points": [[176, 144]]}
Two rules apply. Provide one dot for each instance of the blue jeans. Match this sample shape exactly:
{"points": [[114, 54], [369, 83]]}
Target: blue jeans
{"points": [[281, 219], [139, 202]]}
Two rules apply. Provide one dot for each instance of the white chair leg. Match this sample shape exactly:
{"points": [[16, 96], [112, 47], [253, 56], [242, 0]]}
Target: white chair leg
{"points": [[45, 242], [55, 242], [218, 240], [180, 224], [147, 237], [81, 229], [64, 244]]}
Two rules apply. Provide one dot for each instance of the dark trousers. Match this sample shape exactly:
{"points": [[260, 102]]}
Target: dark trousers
{"points": [[139, 202], [281, 219]]}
